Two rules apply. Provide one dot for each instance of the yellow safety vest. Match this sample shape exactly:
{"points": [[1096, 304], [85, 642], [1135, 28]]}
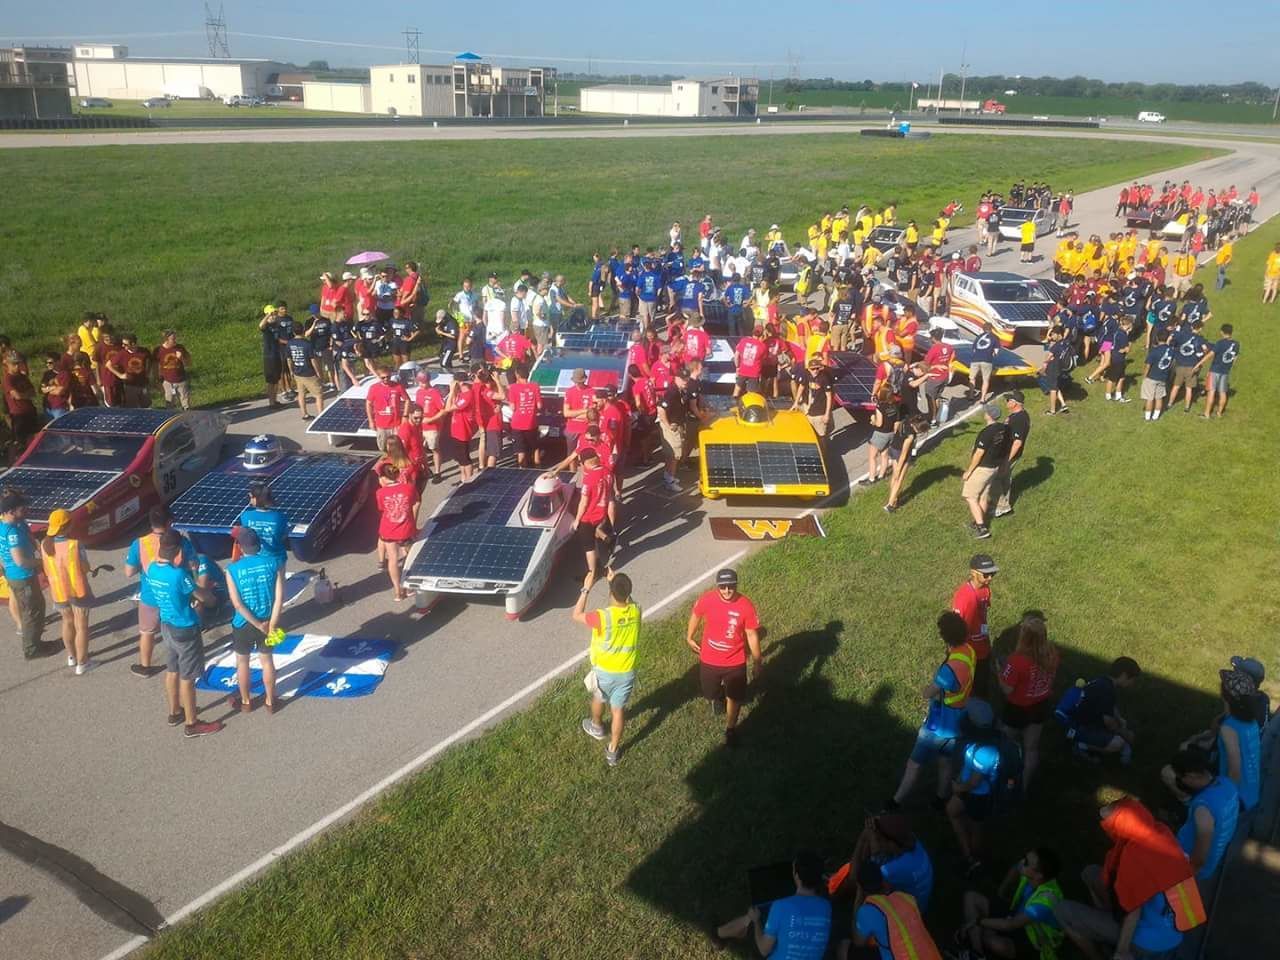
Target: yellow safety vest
{"points": [[613, 643], [955, 658]]}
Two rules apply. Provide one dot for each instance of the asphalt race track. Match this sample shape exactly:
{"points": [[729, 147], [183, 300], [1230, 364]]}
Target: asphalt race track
{"points": [[112, 824]]}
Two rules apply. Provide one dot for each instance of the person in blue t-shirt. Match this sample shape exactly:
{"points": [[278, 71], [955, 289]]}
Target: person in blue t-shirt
{"points": [[18, 557], [648, 287], [267, 522], [210, 576], [1224, 354], [1239, 738], [139, 556], [793, 928], [255, 586], [174, 591], [1213, 807], [1155, 376], [941, 729], [736, 296], [972, 792], [1191, 353], [625, 282], [1195, 306], [871, 922]]}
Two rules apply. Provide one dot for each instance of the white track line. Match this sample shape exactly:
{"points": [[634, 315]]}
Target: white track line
{"points": [[298, 839]]}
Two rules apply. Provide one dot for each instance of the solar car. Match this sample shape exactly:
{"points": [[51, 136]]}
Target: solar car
{"points": [[759, 450], [885, 239], [319, 494], [1007, 364], [109, 465], [1012, 219], [496, 536], [345, 416], [1015, 305]]}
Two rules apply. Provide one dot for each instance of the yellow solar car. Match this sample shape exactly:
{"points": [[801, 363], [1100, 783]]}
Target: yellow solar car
{"points": [[756, 450]]}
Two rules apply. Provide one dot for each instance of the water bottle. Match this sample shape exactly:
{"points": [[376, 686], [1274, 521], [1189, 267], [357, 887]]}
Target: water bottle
{"points": [[944, 411], [322, 589]]}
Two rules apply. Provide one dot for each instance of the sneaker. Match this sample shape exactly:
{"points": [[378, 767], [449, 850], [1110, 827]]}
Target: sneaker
{"points": [[41, 650], [71, 661], [1090, 380], [1004, 512], [83, 668], [202, 729], [611, 756], [235, 703], [138, 670], [890, 507], [176, 719], [1204, 416], [1123, 400], [1049, 413], [1064, 409], [593, 730], [981, 532]]}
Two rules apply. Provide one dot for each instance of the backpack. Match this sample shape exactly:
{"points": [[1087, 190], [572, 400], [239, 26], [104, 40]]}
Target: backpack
{"points": [[896, 377], [1069, 705]]}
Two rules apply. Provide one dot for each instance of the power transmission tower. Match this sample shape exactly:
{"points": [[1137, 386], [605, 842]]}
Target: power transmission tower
{"points": [[793, 67], [411, 35], [215, 31]]}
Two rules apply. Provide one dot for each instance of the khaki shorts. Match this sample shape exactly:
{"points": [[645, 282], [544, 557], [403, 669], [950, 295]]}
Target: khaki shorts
{"points": [[647, 310], [980, 371], [384, 434], [431, 440], [978, 486], [308, 386], [673, 442], [1181, 284], [1185, 377], [1153, 389], [181, 392], [1270, 284], [821, 425]]}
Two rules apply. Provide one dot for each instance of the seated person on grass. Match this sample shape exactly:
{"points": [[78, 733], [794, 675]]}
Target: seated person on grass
{"points": [[1097, 722], [795, 927], [886, 924], [1027, 928], [889, 842]]}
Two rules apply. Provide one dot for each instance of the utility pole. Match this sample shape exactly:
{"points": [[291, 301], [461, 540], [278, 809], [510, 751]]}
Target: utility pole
{"points": [[963, 69], [771, 88], [215, 31], [411, 35], [1276, 106], [938, 108]]}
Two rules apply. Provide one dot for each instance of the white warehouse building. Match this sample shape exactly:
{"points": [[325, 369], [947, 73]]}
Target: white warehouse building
{"points": [[107, 70], [712, 97]]}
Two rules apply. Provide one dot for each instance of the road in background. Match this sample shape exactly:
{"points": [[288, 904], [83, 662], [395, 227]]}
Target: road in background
{"points": [[112, 822]]}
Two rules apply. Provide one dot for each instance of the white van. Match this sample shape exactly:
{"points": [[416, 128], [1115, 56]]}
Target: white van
{"points": [[1150, 116]]}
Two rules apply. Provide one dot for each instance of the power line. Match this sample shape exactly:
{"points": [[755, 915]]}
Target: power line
{"points": [[215, 31]]}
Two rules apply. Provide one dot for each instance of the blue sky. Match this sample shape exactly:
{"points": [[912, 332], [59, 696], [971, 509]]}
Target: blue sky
{"points": [[853, 40]]}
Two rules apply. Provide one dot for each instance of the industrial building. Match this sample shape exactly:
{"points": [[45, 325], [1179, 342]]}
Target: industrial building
{"points": [[35, 82], [336, 96], [107, 70], [711, 97], [468, 87]]}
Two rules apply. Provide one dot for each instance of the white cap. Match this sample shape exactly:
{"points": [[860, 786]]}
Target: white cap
{"points": [[348, 275]]}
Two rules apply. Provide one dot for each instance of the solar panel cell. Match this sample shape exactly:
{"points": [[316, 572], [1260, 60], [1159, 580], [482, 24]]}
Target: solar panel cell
{"points": [[49, 490], [124, 421], [301, 491], [345, 416], [476, 551], [610, 342], [746, 465]]}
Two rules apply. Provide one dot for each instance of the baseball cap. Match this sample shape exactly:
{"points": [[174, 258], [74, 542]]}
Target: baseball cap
{"points": [[1236, 684], [326, 275], [1249, 665], [58, 521], [578, 376], [992, 410], [728, 577], [1015, 396], [983, 563], [348, 275], [247, 537], [313, 309]]}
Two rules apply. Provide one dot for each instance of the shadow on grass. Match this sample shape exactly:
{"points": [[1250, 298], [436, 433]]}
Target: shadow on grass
{"points": [[812, 765], [920, 481]]}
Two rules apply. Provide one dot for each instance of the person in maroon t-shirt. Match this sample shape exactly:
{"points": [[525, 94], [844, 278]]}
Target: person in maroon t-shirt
{"points": [[729, 626], [110, 385], [172, 363], [82, 392], [592, 525], [461, 407], [385, 405], [398, 505], [19, 399], [129, 365], [55, 385], [525, 400]]}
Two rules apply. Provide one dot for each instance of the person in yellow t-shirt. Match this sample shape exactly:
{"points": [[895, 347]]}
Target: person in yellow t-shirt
{"points": [[1271, 276], [890, 215], [1184, 268], [870, 257], [911, 236], [1223, 260], [1027, 236]]}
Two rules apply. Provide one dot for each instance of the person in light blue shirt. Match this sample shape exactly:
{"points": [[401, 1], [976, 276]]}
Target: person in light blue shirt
{"points": [[18, 557], [1213, 806], [267, 522], [888, 841], [255, 585], [1239, 740], [972, 793], [140, 555], [793, 928], [175, 592]]}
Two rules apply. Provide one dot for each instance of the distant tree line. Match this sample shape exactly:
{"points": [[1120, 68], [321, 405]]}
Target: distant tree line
{"points": [[1082, 87]]}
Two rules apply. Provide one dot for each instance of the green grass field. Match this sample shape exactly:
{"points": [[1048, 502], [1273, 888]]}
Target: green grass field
{"points": [[1153, 540], [202, 109], [200, 237]]}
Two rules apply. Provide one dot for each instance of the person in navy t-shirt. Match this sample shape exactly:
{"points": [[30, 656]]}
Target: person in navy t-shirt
{"points": [[1224, 354], [1191, 353], [1155, 376], [982, 366], [1113, 375]]}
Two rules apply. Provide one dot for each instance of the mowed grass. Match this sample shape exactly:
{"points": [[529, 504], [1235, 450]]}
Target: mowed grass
{"points": [[1153, 540], [181, 109], [200, 237]]}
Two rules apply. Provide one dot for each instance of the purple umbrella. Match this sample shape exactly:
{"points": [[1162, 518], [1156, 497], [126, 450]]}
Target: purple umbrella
{"points": [[368, 256]]}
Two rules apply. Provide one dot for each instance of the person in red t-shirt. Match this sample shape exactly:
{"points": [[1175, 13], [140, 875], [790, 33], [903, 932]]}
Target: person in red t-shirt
{"points": [[461, 407], [938, 372], [398, 505], [697, 344], [82, 392], [515, 347], [592, 525], [102, 352], [409, 433], [1026, 679], [749, 357], [525, 400], [729, 626], [129, 365], [172, 363], [644, 400], [19, 399], [577, 399], [489, 394], [431, 403], [971, 600], [385, 405], [615, 424]]}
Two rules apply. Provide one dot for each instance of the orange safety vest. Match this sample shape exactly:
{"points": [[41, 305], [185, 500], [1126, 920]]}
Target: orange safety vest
{"points": [[65, 571], [961, 662], [884, 339], [906, 339], [1184, 901], [908, 938], [870, 311]]}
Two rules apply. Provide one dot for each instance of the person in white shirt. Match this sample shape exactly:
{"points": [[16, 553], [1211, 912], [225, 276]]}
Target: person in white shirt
{"points": [[492, 289], [675, 233], [559, 303], [539, 310], [749, 241], [465, 301], [495, 319], [519, 307]]}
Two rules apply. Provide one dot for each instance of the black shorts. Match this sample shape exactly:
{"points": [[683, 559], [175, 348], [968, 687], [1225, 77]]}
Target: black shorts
{"points": [[399, 347], [461, 450], [372, 349], [1114, 372], [271, 367], [589, 541], [245, 637], [720, 682], [525, 441], [1028, 247], [493, 443], [1019, 718], [749, 384], [977, 807]]}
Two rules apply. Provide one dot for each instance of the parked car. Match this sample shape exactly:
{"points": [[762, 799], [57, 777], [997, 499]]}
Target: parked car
{"points": [[151, 103], [88, 102], [241, 100], [1150, 116]]}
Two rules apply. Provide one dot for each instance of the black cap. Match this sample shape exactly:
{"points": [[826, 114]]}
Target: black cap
{"points": [[728, 577], [983, 564], [1015, 396]]}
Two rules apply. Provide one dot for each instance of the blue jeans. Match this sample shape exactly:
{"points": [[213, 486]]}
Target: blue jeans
{"points": [[1222, 278]]}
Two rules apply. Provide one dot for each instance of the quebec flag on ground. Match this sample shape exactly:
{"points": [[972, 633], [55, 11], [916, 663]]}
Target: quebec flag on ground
{"points": [[309, 665]]}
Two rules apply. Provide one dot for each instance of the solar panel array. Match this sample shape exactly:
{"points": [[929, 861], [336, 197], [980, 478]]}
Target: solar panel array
{"points": [[131, 421], [47, 490], [855, 378], [724, 403], [611, 341], [1024, 312], [747, 465], [301, 491], [345, 416], [469, 538]]}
